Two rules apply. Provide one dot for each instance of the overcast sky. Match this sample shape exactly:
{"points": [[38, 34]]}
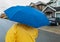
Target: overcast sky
{"points": [[8, 3], [24, 2]]}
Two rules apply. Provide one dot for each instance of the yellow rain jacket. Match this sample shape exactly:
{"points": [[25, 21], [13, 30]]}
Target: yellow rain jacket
{"points": [[21, 33]]}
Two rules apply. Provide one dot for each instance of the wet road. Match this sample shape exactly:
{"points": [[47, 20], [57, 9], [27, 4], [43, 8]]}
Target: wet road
{"points": [[49, 34], [48, 37]]}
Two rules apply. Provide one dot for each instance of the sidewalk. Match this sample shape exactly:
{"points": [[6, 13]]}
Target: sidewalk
{"points": [[49, 34]]}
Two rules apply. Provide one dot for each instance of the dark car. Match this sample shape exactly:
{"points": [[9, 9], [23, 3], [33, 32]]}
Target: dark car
{"points": [[54, 21]]}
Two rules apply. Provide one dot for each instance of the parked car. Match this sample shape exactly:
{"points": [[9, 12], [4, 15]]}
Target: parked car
{"points": [[54, 21]]}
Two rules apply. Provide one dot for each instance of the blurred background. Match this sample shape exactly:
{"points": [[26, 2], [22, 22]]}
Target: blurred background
{"points": [[50, 7]]}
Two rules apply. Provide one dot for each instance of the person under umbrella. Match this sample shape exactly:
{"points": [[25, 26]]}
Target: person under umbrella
{"points": [[29, 19]]}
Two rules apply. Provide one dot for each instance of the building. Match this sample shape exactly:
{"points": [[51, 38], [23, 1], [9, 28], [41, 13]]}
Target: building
{"points": [[55, 3], [52, 9], [39, 5]]}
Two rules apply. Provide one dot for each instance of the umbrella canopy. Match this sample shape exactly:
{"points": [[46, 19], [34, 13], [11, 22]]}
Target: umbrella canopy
{"points": [[27, 15]]}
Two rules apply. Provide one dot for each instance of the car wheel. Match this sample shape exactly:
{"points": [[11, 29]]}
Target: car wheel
{"points": [[57, 23]]}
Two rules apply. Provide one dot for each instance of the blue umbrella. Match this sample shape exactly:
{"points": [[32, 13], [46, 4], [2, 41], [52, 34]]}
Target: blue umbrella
{"points": [[27, 15]]}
